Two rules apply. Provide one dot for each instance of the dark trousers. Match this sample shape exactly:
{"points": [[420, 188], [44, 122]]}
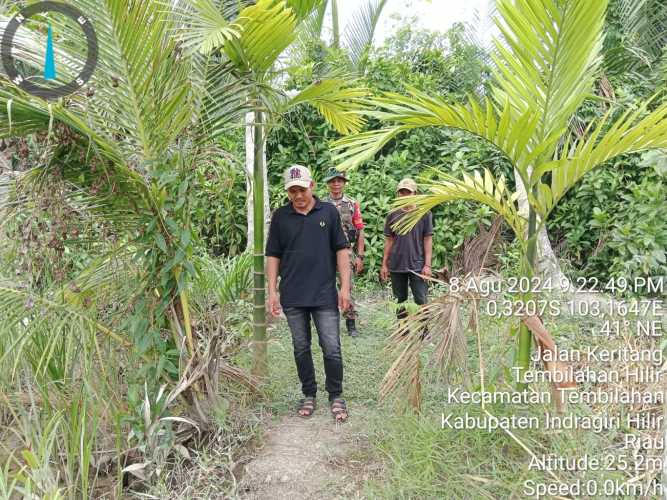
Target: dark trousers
{"points": [[326, 321], [399, 287]]}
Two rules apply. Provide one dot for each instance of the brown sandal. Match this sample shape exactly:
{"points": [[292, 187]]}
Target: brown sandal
{"points": [[306, 405], [339, 410]]}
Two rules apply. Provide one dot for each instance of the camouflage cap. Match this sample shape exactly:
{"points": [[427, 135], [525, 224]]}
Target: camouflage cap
{"points": [[333, 173]]}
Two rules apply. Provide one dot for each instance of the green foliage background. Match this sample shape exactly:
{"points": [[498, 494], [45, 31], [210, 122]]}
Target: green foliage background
{"points": [[611, 225]]}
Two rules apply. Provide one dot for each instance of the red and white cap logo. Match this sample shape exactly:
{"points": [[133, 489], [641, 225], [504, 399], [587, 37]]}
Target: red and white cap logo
{"points": [[297, 175], [294, 173]]}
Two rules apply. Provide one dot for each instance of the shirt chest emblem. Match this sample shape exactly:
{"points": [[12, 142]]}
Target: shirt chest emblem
{"points": [[322, 224]]}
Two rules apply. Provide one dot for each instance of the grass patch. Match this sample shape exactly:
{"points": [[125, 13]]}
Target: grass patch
{"points": [[412, 456]]}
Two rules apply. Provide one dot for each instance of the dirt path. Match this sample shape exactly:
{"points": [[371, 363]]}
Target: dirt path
{"points": [[304, 459], [314, 458]]}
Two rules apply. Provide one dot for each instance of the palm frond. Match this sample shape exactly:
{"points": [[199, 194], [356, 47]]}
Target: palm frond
{"points": [[445, 320], [27, 46], [267, 29], [46, 324], [509, 134], [477, 253], [626, 59], [141, 99], [309, 34], [303, 8], [224, 98], [632, 132], [545, 67], [145, 95], [351, 151], [113, 274], [98, 191], [152, 80], [20, 114], [443, 317], [663, 65], [340, 104], [228, 279], [481, 24], [645, 24], [360, 30], [202, 26], [484, 189], [548, 59], [406, 368]]}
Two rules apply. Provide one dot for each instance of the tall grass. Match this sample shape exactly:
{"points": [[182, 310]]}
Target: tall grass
{"points": [[77, 416], [422, 460], [54, 447]]}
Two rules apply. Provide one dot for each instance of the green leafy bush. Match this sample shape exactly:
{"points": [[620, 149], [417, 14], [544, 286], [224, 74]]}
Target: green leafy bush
{"points": [[219, 209], [638, 233], [615, 223]]}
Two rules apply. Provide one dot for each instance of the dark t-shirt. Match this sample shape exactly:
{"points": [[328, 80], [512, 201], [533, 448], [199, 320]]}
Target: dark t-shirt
{"points": [[407, 254], [306, 246]]}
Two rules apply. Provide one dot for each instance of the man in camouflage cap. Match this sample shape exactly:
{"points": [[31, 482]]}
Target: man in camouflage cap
{"points": [[353, 226]]}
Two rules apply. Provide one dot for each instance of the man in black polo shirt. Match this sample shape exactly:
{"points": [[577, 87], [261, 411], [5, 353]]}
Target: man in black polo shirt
{"points": [[306, 244]]}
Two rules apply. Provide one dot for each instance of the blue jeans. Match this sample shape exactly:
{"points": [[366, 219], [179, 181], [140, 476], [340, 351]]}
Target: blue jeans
{"points": [[326, 321]]}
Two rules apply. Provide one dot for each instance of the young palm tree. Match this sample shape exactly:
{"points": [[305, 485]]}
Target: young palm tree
{"points": [[266, 29], [643, 25], [545, 67], [356, 38], [125, 148]]}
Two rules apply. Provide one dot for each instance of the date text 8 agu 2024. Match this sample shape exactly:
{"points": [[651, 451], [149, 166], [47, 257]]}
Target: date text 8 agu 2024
{"points": [[654, 285]]}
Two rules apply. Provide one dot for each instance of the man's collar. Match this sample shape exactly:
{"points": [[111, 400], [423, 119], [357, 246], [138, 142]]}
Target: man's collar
{"points": [[317, 206]]}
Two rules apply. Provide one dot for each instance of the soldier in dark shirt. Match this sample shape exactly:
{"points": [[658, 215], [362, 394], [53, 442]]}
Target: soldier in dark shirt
{"points": [[405, 255], [306, 244]]}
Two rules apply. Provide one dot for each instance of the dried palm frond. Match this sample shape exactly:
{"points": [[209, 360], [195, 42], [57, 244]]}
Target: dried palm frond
{"points": [[446, 324], [442, 320], [478, 252], [405, 370]]}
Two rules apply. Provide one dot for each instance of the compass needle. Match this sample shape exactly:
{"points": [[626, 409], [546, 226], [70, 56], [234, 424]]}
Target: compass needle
{"points": [[56, 89], [50, 63]]}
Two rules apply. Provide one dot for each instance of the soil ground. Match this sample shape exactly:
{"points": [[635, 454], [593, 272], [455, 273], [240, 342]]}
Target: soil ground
{"points": [[315, 458]]}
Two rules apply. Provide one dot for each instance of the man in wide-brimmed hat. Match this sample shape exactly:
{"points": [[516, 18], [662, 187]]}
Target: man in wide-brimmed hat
{"points": [[353, 226], [406, 256]]}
